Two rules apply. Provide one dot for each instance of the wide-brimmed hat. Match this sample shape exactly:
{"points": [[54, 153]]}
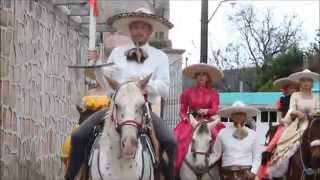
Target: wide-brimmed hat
{"points": [[282, 82], [305, 74], [122, 21], [213, 72], [238, 107]]}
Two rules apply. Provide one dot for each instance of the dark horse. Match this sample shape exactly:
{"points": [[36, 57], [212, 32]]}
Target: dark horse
{"points": [[84, 114], [305, 163]]}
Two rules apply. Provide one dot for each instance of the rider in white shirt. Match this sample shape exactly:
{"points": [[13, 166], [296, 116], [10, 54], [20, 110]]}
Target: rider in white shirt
{"points": [[133, 61], [237, 145]]}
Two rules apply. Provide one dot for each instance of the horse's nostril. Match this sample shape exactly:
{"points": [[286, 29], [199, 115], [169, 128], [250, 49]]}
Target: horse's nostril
{"points": [[200, 167]]}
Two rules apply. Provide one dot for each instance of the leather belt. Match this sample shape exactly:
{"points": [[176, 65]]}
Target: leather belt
{"points": [[235, 168]]}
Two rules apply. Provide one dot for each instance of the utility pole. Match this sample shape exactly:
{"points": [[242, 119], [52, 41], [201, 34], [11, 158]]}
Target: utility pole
{"points": [[204, 32], [204, 28]]}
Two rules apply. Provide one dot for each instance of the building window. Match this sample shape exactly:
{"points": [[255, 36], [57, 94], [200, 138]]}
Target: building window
{"points": [[273, 116], [161, 35], [223, 119], [264, 116]]}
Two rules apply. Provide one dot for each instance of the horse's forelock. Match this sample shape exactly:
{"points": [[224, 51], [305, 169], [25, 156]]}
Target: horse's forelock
{"points": [[128, 90], [203, 129]]}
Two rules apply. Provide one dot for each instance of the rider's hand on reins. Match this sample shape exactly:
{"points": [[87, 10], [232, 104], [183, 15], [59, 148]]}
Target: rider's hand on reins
{"points": [[297, 114], [203, 111]]}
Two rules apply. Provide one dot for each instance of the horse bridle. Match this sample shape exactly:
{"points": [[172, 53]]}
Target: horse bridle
{"points": [[146, 118], [206, 154], [209, 151], [130, 122]]}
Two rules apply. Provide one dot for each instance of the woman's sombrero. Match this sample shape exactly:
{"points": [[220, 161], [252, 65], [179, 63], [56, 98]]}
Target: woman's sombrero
{"points": [[214, 73]]}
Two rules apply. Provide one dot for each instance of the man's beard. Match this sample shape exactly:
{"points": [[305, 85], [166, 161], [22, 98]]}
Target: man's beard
{"points": [[138, 42], [240, 132]]}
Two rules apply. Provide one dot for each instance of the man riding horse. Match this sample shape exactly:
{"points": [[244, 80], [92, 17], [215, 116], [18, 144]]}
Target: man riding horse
{"points": [[133, 61]]}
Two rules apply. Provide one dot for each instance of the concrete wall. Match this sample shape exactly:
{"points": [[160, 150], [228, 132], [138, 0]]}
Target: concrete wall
{"points": [[171, 104], [38, 91]]}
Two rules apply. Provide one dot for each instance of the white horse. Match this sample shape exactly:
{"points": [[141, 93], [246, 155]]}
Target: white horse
{"points": [[119, 154], [196, 163]]}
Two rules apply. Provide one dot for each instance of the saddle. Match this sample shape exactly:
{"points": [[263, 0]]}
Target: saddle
{"points": [[287, 146]]}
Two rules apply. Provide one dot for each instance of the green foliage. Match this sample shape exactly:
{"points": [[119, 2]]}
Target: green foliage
{"points": [[267, 87], [282, 65]]}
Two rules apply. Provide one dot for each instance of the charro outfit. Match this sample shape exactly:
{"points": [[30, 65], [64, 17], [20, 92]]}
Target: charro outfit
{"points": [[156, 62], [240, 157]]}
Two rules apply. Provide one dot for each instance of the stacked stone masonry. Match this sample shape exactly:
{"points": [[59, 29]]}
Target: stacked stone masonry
{"points": [[38, 91]]}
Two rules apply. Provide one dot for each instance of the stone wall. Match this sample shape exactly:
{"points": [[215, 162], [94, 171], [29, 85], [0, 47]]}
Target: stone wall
{"points": [[38, 91]]}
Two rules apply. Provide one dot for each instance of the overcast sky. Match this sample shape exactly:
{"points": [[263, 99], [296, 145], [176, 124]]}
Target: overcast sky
{"points": [[185, 15]]}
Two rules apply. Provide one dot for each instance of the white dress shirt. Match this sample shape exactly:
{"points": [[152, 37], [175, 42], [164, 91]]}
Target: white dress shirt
{"points": [[235, 152], [157, 63]]}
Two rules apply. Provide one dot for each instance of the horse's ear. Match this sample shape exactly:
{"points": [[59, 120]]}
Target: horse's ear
{"points": [[113, 83], [79, 109], [193, 121], [143, 82]]}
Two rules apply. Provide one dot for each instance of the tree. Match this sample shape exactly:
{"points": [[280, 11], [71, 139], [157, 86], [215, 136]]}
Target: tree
{"points": [[313, 54], [280, 66], [262, 39]]}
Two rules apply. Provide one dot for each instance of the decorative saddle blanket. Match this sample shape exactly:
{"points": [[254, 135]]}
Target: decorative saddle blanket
{"points": [[287, 146]]}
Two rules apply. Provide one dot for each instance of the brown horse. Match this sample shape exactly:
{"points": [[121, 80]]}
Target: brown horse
{"points": [[305, 163]]}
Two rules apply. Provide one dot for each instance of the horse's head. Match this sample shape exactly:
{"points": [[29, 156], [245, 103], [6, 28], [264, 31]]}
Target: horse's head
{"points": [[128, 109], [201, 144], [314, 139]]}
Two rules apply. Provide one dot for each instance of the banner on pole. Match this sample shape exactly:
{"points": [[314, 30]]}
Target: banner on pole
{"points": [[94, 4]]}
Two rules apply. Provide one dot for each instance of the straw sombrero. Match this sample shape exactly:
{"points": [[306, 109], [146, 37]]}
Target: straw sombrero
{"points": [[122, 21], [305, 74], [282, 82], [214, 72], [237, 107]]}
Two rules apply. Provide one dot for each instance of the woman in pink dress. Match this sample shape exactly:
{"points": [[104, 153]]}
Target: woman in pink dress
{"points": [[202, 101]]}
